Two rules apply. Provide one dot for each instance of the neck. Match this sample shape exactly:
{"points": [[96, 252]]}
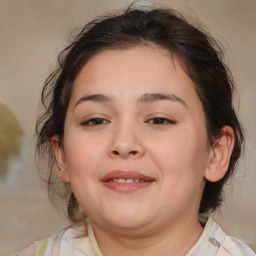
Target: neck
{"points": [[175, 240]]}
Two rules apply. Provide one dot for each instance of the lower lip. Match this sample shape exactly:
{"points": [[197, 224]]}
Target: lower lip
{"points": [[127, 187]]}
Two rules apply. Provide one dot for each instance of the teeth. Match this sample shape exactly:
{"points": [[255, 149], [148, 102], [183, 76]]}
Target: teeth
{"points": [[127, 180]]}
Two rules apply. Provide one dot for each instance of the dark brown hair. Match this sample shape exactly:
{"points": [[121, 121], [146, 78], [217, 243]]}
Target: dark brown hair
{"points": [[200, 55]]}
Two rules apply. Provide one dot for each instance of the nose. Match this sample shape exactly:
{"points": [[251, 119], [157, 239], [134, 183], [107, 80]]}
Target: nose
{"points": [[127, 142]]}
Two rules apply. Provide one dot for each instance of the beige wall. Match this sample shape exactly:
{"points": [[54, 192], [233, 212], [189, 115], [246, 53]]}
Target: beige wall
{"points": [[33, 32]]}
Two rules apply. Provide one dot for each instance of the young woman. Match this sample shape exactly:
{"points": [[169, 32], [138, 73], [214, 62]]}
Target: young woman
{"points": [[139, 121]]}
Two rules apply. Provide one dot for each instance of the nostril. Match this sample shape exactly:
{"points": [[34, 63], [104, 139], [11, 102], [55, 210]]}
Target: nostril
{"points": [[134, 152]]}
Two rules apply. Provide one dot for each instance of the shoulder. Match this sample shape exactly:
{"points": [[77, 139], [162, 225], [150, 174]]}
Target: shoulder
{"points": [[237, 247], [228, 245], [36, 249], [66, 242]]}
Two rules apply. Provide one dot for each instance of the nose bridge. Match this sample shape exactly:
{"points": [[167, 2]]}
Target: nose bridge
{"points": [[126, 139]]}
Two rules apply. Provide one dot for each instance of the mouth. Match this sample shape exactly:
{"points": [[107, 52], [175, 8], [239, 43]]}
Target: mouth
{"points": [[126, 181]]}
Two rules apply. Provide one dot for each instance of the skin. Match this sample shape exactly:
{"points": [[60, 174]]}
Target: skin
{"points": [[173, 150]]}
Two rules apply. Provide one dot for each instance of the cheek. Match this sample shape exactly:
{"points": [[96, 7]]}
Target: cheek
{"points": [[83, 158], [82, 153], [181, 154], [180, 158]]}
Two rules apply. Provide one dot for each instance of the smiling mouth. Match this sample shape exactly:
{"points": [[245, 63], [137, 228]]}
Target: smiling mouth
{"points": [[126, 181]]}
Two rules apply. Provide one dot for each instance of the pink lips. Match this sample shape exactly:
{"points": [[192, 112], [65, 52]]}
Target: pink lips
{"points": [[126, 181]]}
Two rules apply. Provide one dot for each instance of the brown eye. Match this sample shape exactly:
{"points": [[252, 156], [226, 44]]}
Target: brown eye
{"points": [[95, 121], [161, 121]]}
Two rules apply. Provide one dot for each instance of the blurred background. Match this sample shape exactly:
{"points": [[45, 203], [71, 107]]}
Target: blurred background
{"points": [[32, 34]]}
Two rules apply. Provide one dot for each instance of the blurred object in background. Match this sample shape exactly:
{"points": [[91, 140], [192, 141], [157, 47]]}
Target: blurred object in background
{"points": [[10, 138]]}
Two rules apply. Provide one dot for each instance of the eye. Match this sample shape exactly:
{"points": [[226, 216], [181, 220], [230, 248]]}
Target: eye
{"points": [[95, 121], [161, 121]]}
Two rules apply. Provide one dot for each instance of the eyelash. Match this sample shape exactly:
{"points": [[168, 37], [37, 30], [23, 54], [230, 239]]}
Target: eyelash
{"points": [[163, 121], [90, 121], [101, 121]]}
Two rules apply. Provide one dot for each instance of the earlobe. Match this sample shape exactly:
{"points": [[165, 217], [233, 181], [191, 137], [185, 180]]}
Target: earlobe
{"points": [[60, 157], [220, 155], [64, 175]]}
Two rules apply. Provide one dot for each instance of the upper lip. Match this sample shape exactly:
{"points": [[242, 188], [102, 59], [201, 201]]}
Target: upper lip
{"points": [[120, 174]]}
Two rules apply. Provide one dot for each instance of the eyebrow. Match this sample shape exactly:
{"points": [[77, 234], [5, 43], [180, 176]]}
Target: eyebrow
{"points": [[145, 98], [152, 97], [94, 97]]}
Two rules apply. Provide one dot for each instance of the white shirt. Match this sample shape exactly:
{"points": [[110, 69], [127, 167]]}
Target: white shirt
{"points": [[212, 242]]}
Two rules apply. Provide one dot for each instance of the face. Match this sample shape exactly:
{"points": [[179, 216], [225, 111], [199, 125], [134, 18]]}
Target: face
{"points": [[135, 144]]}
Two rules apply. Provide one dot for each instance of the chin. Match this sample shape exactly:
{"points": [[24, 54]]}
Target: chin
{"points": [[123, 216], [127, 220]]}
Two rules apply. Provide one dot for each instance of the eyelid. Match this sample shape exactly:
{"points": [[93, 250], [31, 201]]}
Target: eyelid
{"points": [[91, 117], [169, 121], [163, 116]]}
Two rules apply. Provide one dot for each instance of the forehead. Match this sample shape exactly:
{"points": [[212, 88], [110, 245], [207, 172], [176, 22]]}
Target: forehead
{"points": [[137, 70]]}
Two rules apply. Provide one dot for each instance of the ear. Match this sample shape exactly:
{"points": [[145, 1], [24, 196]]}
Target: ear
{"points": [[58, 151], [220, 155]]}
